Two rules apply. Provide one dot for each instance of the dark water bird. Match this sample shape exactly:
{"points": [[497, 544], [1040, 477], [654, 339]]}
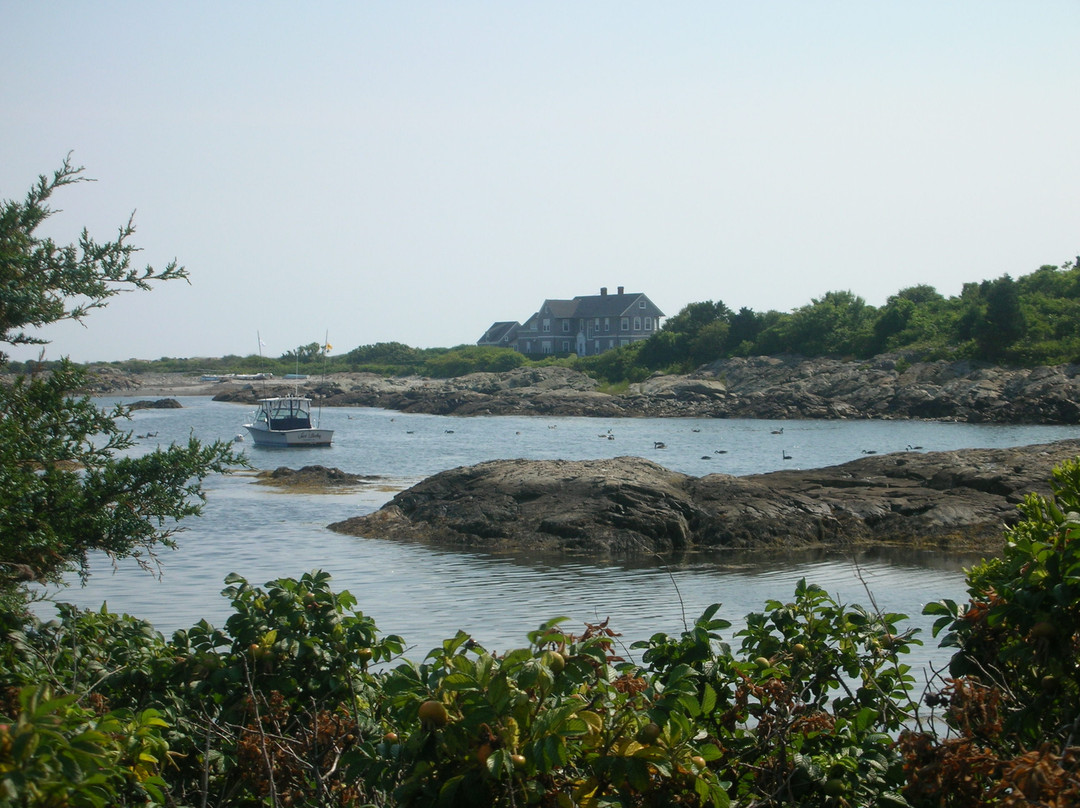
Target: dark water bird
{"points": [[779, 431], [784, 454], [449, 431], [912, 448], [869, 451], [695, 430], [659, 444], [706, 457], [719, 451]]}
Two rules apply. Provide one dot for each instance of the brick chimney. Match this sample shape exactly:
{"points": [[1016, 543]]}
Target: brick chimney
{"points": [[620, 290], [603, 291]]}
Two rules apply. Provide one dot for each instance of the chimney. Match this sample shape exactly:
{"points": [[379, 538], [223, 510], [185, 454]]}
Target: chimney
{"points": [[603, 291], [620, 290]]}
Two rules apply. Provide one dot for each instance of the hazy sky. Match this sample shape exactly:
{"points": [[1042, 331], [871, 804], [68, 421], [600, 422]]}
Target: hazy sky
{"points": [[412, 172]]}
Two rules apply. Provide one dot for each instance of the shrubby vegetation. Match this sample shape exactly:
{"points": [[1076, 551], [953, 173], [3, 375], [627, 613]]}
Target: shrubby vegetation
{"points": [[1034, 320], [1031, 321]]}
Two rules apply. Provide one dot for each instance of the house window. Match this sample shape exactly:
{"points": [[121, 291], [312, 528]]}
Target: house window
{"points": [[547, 326], [624, 324], [648, 323], [607, 323], [596, 324], [637, 323], [596, 346], [566, 346], [566, 326], [546, 346], [641, 304]]}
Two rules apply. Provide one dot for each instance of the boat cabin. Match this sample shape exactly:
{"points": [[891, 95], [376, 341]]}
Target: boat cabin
{"points": [[284, 413]]}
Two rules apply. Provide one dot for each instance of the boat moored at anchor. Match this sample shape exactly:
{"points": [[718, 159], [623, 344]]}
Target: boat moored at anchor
{"points": [[286, 421]]}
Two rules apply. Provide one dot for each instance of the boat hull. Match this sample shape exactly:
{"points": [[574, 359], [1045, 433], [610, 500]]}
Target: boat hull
{"points": [[289, 437]]}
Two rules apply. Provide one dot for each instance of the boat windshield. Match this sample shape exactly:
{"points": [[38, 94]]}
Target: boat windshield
{"points": [[286, 413]]}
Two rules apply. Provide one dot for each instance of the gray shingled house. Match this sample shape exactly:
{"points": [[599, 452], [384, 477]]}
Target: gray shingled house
{"points": [[586, 325]]}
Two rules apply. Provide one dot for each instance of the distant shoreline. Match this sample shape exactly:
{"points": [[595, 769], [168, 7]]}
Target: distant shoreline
{"points": [[775, 388]]}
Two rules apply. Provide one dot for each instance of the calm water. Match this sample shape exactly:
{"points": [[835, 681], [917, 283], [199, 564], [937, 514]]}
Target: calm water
{"points": [[427, 594]]}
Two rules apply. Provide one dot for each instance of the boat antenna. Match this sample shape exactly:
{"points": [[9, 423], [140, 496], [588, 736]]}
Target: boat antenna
{"points": [[259, 371], [326, 346]]}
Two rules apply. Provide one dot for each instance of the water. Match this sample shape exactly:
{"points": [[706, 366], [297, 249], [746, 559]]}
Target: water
{"points": [[426, 594]]}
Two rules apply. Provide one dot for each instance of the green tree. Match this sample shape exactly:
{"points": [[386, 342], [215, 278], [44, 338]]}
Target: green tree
{"points": [[65, 488], [383, 353], [1003, 323], [838, 323], [304, 353]]}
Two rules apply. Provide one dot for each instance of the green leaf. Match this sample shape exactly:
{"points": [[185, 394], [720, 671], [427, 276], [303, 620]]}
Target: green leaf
{"points": [[708, 699]]}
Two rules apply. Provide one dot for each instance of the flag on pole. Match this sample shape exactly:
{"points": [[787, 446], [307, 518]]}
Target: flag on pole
{"points": [[328, 347]]}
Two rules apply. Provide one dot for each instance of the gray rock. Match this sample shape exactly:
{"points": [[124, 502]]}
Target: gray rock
{"points": [[158, 404], [887, 387], [959, 500]]}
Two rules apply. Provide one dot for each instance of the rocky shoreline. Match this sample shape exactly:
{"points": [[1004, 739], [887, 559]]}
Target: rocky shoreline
{"points": [[959, 500], [887, 387], [945, 500]]}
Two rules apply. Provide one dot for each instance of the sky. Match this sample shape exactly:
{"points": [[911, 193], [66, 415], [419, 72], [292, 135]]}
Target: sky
{"points": [[412, 172]]}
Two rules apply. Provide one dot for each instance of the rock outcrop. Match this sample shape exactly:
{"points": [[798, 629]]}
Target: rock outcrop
{"points": [[158, 404], [888, 387], [313, 479], [959, 500]]}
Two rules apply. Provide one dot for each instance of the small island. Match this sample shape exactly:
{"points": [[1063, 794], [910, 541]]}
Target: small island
{"points": [[957, 500]]}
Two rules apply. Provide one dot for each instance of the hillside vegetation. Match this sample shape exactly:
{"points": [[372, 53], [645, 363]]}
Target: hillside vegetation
{"points": [[1029, 321]]}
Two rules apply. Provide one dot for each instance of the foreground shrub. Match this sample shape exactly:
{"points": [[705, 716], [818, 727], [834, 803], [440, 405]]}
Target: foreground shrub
{"points": [[299, 700], [1011, 700]]}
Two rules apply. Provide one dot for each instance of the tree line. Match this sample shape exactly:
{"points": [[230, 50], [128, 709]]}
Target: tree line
{"points": [[1029, 321]]}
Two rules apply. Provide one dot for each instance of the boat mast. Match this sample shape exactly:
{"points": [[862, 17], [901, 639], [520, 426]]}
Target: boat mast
{"points": [[325, 351]]}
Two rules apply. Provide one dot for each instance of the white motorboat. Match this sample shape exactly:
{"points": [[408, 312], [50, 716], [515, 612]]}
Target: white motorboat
{"points": [[286, 421]]}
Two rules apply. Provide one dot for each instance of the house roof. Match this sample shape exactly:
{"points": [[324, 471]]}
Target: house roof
{"points": [[619, 305], [498, 332], [560, 308]]}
